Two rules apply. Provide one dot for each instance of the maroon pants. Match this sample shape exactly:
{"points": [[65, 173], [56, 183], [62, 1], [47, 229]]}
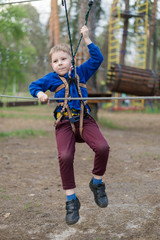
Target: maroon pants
{"points": [[66, 140]]}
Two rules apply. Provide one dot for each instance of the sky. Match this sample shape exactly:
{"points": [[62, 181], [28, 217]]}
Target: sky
{"points": [[43, 7]]}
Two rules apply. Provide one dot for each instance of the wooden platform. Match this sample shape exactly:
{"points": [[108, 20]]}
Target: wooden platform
{"points": [[1, 104], [98, 94]]}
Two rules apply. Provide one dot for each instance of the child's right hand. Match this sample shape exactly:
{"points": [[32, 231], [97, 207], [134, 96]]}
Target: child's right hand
{"points": [[42, 97], [85, 33]]}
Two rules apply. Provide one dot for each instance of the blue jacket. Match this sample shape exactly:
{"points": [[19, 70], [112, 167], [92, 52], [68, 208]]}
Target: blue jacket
{"points": [[51, 81]]}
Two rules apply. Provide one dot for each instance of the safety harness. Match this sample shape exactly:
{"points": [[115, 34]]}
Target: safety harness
{"points": [[65, 108], [67, 83]]}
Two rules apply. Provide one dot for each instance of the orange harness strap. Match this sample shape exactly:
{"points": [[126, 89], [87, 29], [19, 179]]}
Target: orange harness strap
{"points": [[63, 86], [65, 103]]}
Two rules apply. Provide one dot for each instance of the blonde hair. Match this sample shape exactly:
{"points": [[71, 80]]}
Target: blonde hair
{"points": [[60, 47]]}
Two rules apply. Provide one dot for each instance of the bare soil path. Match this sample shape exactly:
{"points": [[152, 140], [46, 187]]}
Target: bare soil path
{"points": [[32, 202]]}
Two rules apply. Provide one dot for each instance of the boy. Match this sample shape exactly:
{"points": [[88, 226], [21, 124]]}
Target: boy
{"points": [[70, 128]]}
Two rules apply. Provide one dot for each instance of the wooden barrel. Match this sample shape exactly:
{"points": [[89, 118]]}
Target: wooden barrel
{"points": [[134, 81]]}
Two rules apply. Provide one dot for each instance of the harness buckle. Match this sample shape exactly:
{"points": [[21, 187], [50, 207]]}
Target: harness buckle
{"points": [[74, 119], [69, 98]]}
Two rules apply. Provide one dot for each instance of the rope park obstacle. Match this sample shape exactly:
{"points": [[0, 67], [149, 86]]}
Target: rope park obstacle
{"points": [[116, 78], [137, 80]]}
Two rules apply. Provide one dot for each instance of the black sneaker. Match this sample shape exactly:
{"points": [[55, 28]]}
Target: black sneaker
{"points": [[100, 196], [72, 215]]}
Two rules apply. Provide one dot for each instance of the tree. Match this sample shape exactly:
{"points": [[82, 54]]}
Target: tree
{"points": [[21, 39], [12, 28], [92, 24], [125, 30], [54, 25], [152, 35]]}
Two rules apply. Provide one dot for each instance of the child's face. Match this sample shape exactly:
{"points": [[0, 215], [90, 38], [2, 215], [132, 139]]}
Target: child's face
{"points": [[61, 62]]}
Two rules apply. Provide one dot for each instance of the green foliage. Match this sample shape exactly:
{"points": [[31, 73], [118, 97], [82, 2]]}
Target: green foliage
{"points": [[22, 43], [12, 26]]}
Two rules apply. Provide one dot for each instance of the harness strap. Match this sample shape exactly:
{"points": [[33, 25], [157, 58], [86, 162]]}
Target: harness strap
{"points": [[65, 103], [82, 108], [59, 88], [63, 86]]}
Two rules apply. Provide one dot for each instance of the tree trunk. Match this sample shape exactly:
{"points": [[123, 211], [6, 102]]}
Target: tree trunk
{"points": [[124, 38], [83, 51], [154, 37], [54, 25], [151, 31], [155, 45]]}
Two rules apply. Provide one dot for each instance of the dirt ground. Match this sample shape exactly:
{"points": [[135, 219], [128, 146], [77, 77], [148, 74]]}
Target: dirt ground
{"points": [[32, 202]]}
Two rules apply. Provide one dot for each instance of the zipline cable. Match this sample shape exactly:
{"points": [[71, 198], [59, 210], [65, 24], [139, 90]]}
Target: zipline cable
{"points": [[89, 98], [8, 3]]}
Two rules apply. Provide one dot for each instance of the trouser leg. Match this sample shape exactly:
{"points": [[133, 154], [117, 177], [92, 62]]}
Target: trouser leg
{"points": [[66, 148], [94, 138]]}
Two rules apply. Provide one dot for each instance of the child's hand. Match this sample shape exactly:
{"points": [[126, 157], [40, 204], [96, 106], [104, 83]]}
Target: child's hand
{"points": [[85, 33], [42, 97]]}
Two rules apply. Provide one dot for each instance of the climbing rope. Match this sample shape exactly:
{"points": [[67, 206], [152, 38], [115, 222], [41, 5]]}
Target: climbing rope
{"points": [[86, 20], [69, 32]]}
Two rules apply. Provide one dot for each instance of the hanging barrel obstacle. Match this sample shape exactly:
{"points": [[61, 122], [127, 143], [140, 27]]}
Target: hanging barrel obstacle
{"points": [[130, 80]]}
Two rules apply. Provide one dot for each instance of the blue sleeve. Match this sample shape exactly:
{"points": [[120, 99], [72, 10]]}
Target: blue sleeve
{"points": [[93, 63], [42, 84]]}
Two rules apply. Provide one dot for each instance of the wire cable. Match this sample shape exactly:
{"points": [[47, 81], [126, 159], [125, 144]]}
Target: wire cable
{"points": [[8, 3], [89, 98]]}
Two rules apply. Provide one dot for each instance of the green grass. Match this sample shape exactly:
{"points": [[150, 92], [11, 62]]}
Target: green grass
{"points": [[5, 197], [31, 204], [2, 189], [110, 124], [2, 196], [155, 110], [23, 133], [24, 116]]}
